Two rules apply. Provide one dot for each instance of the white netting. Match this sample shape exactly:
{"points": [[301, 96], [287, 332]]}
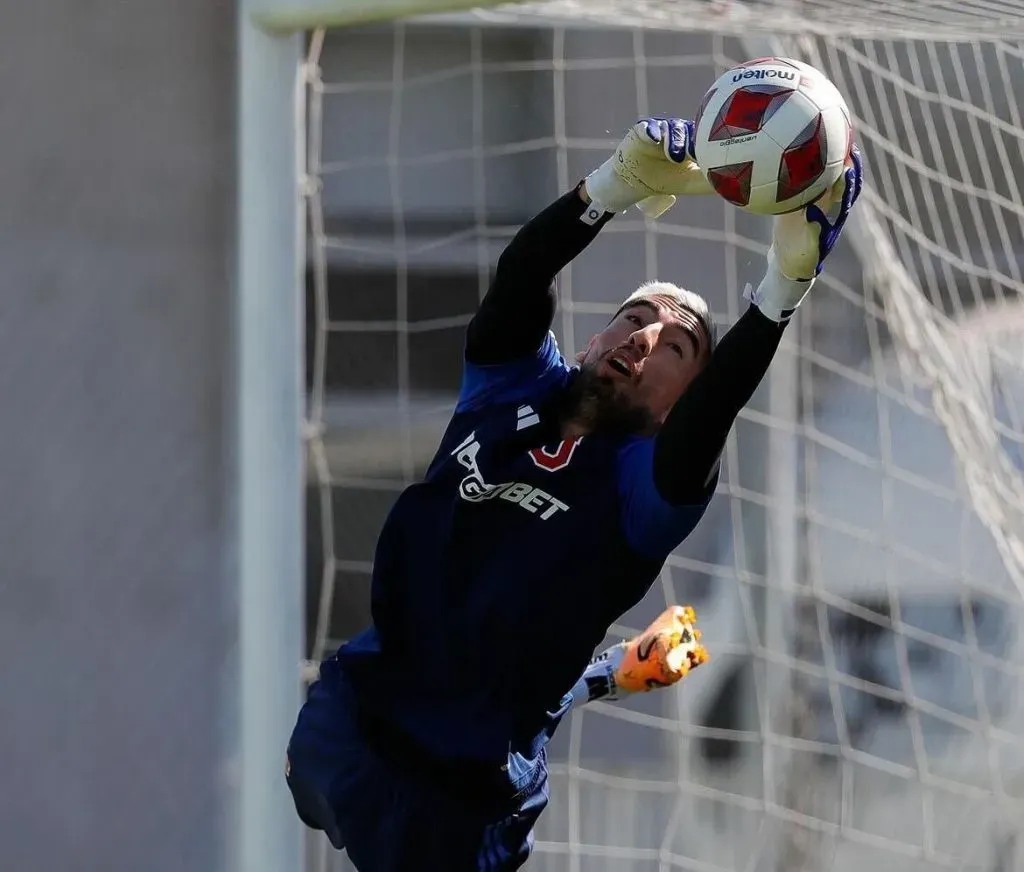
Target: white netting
{"points": [[920, 19], [859, 574]]}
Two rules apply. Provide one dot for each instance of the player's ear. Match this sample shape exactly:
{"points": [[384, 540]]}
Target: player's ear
{"points": [[582, 355]]}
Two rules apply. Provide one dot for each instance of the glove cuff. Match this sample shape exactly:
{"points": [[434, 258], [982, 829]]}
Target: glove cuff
{"points": [[598, 679], [606, 189], [777, 296]]}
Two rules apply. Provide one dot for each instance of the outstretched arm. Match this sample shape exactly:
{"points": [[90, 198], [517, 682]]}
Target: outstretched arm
{"points": [[650, 167], [689, 446], [659, 657], [518, 309]]}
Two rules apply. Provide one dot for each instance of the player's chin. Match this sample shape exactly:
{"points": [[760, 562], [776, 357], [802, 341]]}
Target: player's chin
{"points": [[621, 406], [619, 388], [610, 388]]}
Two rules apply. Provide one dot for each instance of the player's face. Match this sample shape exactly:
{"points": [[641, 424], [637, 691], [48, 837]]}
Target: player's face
{"points": [[649, 354]]}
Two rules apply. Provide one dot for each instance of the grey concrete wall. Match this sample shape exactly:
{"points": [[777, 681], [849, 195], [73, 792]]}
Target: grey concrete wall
{"points": [[116, 181]]}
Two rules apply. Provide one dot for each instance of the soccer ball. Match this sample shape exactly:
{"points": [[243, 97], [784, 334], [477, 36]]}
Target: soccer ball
{"points": [[772, 135]]}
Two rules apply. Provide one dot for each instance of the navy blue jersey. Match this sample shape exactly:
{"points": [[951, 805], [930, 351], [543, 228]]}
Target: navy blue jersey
{"points": [[497, 576]]}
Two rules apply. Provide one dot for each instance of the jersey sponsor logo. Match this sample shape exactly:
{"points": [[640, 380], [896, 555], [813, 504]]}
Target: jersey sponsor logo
{"points": [[473, 488], [554, 459]]}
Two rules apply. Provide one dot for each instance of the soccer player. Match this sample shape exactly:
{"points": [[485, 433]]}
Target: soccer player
{"points": [[548, 511]]}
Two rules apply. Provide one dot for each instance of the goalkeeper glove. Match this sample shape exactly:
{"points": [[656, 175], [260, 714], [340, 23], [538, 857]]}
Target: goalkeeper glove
{"points": [[801, 241], [659, 657], [653, 163]]}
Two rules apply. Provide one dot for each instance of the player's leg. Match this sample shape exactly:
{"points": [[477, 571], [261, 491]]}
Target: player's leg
{"points": [[342, 787], [392, 809], [462, 831], [507, 845], [327, 759]]}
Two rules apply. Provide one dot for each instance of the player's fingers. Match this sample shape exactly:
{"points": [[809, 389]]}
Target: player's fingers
{"points": [[684, 628], [656, 205], [674, 619], [814, 215], [652, 128], [677, 141], [851, 179], [682, 658], [677, 664], [691, 139], [849, 192], [858, 170], [690, 633], [683, 616]]}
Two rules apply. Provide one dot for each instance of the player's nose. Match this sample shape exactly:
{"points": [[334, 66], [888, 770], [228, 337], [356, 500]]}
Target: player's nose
{"points": [[644, 338]]}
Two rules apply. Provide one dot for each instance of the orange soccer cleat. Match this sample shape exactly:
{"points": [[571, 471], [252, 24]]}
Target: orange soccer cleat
{"points": [[664, 653]]}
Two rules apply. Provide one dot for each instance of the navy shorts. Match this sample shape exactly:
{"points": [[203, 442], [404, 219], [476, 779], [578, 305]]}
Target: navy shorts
{"points": [[394, 815]]}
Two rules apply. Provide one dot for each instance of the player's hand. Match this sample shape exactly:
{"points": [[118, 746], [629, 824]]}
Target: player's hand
{"points": [[661, 655], [652, 165], [802, 240]]}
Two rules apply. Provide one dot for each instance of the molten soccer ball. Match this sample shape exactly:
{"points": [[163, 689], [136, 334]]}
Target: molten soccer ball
{"points": [[772, 135]]}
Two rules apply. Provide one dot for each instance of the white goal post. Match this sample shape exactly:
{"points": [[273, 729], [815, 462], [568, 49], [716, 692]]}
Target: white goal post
{"points": [[865, 568], [992, 19]]}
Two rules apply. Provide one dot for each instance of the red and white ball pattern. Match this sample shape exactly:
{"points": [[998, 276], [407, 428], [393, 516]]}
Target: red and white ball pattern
{"points": [[772, 135]]}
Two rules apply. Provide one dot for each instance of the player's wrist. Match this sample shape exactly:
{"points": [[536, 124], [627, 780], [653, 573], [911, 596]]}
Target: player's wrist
{"points": [[778, 296], [598, 680], [583, 193], [607, 190]]}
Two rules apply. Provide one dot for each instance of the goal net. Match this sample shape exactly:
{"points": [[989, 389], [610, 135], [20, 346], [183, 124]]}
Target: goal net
{"points": [[860, 574]]}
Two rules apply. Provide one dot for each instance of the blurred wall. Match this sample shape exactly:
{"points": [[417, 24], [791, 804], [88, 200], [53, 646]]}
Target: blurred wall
{"points": [[115, 628]]}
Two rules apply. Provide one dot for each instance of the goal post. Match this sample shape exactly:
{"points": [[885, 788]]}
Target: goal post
{"points": [[997, 20], [859, 575], [267, 467], [314, 14]]}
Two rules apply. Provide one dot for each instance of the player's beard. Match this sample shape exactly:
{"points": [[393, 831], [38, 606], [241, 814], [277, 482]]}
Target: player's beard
{"points": [[599, 404]]}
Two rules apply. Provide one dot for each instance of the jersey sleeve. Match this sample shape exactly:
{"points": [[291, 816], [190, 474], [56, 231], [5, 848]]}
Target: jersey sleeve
{"points": [[653, 526], [513, 381]]}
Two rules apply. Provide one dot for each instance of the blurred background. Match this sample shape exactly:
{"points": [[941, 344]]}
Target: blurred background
{"points": [[863, 701], [858, 577]]}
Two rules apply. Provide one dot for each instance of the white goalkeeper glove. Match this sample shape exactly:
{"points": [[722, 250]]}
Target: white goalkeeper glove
{"points": [[659, 657], [652, 165], [801, 241]]}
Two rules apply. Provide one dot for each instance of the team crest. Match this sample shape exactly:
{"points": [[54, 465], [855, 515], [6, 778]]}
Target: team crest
{"points": [[557, 458]]}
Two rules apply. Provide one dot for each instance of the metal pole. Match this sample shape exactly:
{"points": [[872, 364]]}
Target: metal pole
{"points": [[269, 270]]}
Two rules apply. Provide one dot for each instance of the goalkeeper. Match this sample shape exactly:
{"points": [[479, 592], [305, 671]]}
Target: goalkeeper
{"points": [[548, 511]]}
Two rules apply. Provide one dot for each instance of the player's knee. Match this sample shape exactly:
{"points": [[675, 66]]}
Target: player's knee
{"points": [[327, 762], [313, 807]]}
